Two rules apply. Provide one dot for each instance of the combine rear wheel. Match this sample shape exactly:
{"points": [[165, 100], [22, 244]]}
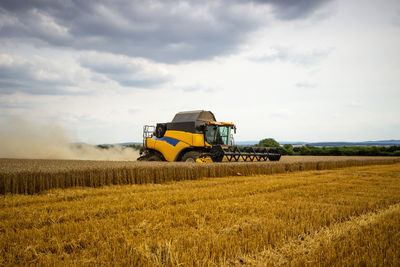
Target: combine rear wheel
{"points": [[190, 156]]}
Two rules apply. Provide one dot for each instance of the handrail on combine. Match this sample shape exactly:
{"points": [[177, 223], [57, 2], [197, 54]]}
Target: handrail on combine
{"points": [[148, 132]]}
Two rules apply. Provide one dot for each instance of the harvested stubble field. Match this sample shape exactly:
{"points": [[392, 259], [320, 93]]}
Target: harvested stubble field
{"points": [[21, 176], [342, 217]]}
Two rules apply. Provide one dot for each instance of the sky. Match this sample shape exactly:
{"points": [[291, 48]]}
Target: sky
{"points": [[292, 70]]}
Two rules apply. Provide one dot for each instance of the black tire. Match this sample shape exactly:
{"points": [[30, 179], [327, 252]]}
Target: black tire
{"points": [[161, 128], [190, 156], [154, 157], [217, 153]]}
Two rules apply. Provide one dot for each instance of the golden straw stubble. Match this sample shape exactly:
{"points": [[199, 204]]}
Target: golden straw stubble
{"points": [[342, 217], [19, 176]]}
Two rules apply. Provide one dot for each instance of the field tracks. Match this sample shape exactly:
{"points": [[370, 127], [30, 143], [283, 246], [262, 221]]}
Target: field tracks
{"points": [[35, 176], [303, 248], [343, 217]]}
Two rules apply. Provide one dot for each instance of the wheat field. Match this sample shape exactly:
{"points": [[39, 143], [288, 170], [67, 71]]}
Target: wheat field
{"points": [[342, 217], [21, 176]]}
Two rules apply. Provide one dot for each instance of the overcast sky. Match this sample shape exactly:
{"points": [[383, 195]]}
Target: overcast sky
{"points": [[294, 70]]}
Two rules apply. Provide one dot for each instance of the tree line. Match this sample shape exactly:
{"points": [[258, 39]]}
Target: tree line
{"points": [[289, 149]]}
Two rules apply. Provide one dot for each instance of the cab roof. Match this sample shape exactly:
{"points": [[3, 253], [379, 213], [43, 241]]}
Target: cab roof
{"points": [[194, 121], [196, 115]]}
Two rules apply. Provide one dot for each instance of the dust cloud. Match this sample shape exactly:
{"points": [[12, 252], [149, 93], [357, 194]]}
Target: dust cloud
{"points": [[22, 139]]}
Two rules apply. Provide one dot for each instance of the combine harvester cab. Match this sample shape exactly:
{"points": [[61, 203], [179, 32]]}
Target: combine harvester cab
{"points": [[196, 136]]}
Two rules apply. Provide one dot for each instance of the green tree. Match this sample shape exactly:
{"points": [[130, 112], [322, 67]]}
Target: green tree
{"points": [[305, 150], [269, 142], [288, 149]]}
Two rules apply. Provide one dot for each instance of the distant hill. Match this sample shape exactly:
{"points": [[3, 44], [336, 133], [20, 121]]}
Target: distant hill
{"points": [[300, 143], [246, 143], [130, 143], [122, 144], [329, 144], [363, 143]]}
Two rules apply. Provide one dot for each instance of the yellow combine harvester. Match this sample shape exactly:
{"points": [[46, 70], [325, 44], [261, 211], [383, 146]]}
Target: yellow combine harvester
{"points": [[196, 136]]}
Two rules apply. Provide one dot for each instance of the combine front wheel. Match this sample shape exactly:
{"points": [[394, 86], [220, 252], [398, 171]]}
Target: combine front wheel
{"points": [[190, 156], [150, 155], [154, 158]]}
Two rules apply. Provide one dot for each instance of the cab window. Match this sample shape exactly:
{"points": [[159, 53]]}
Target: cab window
{"points": [[218, 135]]}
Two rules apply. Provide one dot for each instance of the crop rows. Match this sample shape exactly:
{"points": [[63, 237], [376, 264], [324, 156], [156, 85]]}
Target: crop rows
{"points": [[34, 176], [342, 217]]}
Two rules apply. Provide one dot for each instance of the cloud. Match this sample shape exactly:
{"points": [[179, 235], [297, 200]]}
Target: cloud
{"points": [[157, 30], [280, 114], [354, 104], [198, 88], [37, 76], [396, 20], [305, 85], [285, 54], [13, 106], [294, 9], [126, 71]]}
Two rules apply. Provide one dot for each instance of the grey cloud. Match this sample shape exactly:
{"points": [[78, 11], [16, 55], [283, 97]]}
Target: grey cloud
{"points": [[126, 71], [8, 105], [158, 30], [284, 54], [294, 9], [396, 20], [34, 76]]}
